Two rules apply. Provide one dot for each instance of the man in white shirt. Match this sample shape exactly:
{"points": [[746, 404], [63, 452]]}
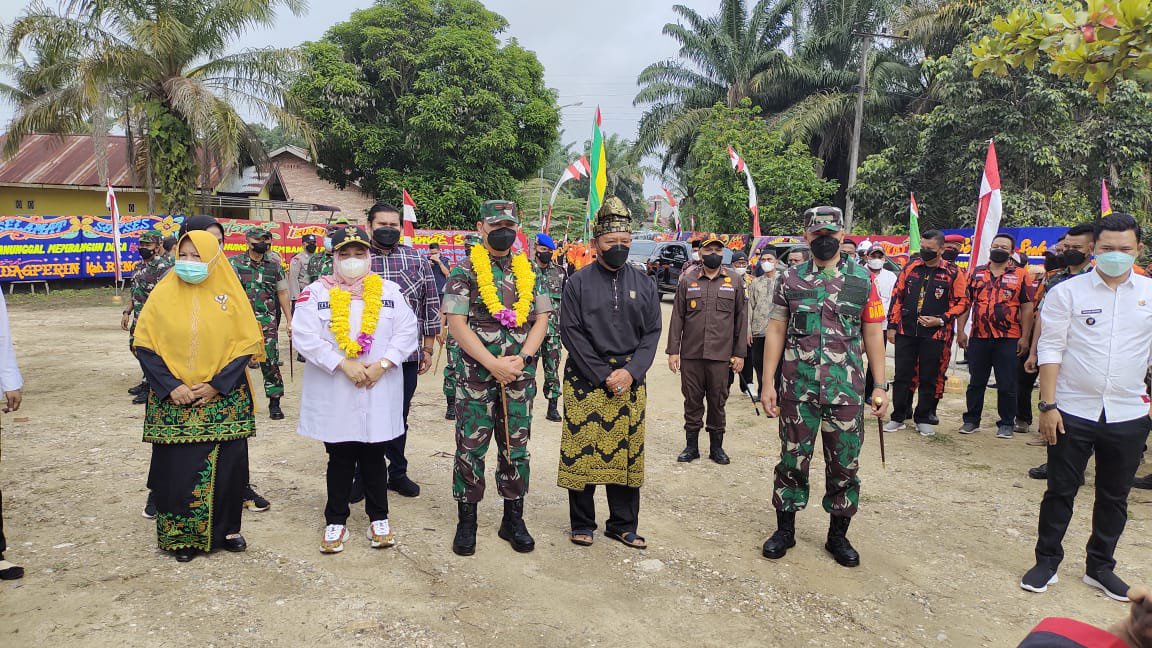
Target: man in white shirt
{"points": [[10, 383], [884, 280], [1094, 351]]}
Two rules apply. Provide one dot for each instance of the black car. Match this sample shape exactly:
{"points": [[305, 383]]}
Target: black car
{"points": [[663, 260]]}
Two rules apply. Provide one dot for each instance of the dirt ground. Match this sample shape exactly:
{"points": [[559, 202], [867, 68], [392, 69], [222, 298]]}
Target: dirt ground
{"points": [[945, 532]]}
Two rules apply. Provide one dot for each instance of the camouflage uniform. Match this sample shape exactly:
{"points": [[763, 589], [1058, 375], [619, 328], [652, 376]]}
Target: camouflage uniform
{"points": [[147, 275], [453, 349], [479, 413], [319, 265], [822, 381], [262, 280], [550, 282]]}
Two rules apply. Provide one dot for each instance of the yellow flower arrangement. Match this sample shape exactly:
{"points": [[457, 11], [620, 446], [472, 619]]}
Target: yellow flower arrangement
{"points": [[523, 277], [340, 301]]}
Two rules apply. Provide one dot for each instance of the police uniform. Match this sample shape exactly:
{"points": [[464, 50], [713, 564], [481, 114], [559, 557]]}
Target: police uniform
{"points": [[263, 279], [480, 400], [709, 327], [822, 387], [551, 278]]}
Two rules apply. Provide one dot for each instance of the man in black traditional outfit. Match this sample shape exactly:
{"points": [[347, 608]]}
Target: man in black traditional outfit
{"points": [[611, 327]]}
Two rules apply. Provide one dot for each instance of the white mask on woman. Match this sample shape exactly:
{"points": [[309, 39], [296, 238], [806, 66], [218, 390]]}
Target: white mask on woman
{"points": [[354, 268]]}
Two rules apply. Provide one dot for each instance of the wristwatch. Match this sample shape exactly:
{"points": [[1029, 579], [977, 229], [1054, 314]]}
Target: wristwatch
{"points": [[528, 358], [1046, 407], [886, 386], [386, 364]]}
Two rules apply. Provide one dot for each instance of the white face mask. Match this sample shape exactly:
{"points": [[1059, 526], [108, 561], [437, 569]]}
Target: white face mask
{"points": [[768, 266], [739, 271], [876, 264], [354, 268]]}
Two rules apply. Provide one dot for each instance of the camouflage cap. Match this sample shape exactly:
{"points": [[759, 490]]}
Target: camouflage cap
{"points": [[818, 218], [258, 233], [612, 217], [471, 239], [495, 211], [151, 236]]}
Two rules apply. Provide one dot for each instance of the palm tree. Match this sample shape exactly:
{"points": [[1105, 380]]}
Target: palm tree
{"points": [[728, 57], [163, 64]]}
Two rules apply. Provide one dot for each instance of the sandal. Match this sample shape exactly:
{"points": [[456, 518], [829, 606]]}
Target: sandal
{"points": [[628, 539], [582, 538]]}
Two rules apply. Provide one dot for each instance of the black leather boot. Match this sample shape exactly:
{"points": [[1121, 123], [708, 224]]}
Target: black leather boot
{"points": [[450, 411], [142, 397], [274, 411], [512, 527], [784, 538], [691, 449], [838, 544], [138, 388], [716, 449], [464, 544], [553, 411]]}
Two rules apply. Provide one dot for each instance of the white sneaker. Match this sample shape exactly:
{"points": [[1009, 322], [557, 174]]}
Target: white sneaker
{"points": [[925, 429], [894, 426], [380, 533], [335, 535]]}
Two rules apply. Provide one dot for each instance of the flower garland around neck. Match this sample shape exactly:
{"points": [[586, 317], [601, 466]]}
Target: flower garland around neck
{"points": [[522, 275], [340, 301]]}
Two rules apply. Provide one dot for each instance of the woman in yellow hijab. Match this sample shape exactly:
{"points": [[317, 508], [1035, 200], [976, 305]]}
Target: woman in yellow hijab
{"points": [[194, 339]]}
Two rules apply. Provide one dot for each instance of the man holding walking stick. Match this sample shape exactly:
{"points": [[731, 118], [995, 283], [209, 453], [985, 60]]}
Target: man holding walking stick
{"points": [[498, 316]]}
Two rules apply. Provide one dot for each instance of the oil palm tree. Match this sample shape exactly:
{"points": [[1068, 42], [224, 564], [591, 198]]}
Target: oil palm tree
{"points": [[163, 63], [733, 55]]}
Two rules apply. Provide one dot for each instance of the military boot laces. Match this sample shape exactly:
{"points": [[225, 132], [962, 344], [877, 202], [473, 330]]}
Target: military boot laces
{"points": [[512, 527], [784, 538], [464, 544], [838, 545]]}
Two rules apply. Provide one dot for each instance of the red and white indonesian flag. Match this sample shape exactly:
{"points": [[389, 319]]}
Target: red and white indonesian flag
{"points": [[990, 210], [114, 211], [578, 169], [409, 225], [741, 167], [675, 216]]}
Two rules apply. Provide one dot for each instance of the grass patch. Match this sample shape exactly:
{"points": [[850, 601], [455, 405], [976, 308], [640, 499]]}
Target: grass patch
{"points": [[982, 467], [942, 439], [69, 297]]}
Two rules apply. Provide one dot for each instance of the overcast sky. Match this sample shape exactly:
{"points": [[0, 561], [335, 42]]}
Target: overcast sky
{"points": [[592, 50]]}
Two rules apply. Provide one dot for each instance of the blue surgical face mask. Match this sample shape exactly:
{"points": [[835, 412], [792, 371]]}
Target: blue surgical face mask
{"points": [[192, 272], [1114, 264]]}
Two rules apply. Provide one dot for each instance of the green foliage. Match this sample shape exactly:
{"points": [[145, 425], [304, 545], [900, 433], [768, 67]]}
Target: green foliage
{"points": [[420, 94], [786, 175], [1100, 42], [169, 141], [277, 137], [1054, 143]]}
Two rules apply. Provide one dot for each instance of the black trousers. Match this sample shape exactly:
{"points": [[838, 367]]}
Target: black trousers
{"points": [[754, 365], [919, 358], [1117, 447], [342, 461], [394, 449], [1025, 384], [984, 356], [3, 542], [623, 508]]}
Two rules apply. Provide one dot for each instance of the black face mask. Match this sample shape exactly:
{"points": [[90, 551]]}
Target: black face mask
{"points": [[929, 255], [1072, 258], [825, 247], [147, 253], [310, 248], [999, 256], [386, 237], [1053, 261], [501, 239], [544, 258], [615, 257], [260, 248], [950, 255], [711, 261]]}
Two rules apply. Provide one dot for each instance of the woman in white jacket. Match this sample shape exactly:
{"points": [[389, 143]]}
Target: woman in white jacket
{"points": [[353, 329]]}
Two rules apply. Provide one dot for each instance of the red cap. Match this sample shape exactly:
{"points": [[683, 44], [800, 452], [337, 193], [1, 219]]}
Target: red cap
{"points": [[953, 238]]}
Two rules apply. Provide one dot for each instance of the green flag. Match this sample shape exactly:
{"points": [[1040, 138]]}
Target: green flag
{"points": [[913, 226]]}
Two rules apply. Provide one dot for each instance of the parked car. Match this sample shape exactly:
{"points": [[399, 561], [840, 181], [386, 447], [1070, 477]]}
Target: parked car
{"points": [[664, 260]]}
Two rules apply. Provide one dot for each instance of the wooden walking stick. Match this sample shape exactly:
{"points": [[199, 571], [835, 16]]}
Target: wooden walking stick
{"points": [[439, 354], [507, 435]]}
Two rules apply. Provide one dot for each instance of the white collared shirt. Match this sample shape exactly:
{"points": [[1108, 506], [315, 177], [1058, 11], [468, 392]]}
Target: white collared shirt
{"points": [[1102, 340]]}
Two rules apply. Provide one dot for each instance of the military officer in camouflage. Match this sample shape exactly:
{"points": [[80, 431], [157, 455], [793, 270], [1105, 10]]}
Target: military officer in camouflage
{"points": [[453, 350], [551, 277], [151, 269], [267, 288], [824, 313], [321, 262], [499, 318]]}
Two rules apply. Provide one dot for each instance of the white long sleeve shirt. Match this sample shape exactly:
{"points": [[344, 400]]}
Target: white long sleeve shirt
{"points": [[1102, 340], [10, 379], [332, 408]]}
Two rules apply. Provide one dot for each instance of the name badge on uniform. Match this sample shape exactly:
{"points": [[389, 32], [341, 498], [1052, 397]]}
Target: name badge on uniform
{"points": [[1095, 311], [1011, 280], [388, 304], [322, 305], [727, 289]]}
